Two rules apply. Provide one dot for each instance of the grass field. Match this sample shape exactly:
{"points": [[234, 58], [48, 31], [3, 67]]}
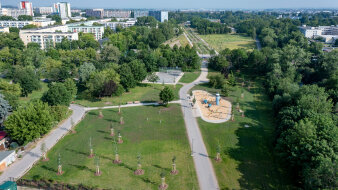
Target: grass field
{"points": [[180, 40], [36, 94], [157, 142], [247, 153], [143, 92], [189, 77], [232, 41]]}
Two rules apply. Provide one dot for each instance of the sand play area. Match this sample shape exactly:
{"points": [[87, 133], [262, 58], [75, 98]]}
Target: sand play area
{"points": [[214, 113]]}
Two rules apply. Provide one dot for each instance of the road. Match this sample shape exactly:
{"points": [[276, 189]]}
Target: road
{"points": [[205, 172], [21, 166], [258, 44]]}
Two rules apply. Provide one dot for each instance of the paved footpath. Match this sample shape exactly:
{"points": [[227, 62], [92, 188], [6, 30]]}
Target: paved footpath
{"points": [[21, 166], [205, 171]]}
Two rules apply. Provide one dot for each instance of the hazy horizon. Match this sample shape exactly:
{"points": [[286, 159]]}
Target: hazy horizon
{"points": [[187, 4]]}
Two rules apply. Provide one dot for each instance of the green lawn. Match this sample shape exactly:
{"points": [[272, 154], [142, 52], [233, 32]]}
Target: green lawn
{"points": [[143, 92], [247, 153], [189, 77], [157, 142], [36, 94], [232, 41]]}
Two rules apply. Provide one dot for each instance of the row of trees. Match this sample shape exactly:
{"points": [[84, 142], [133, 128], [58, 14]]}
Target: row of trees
{"points": [[20, 18], [204, 26], [302, 81]]}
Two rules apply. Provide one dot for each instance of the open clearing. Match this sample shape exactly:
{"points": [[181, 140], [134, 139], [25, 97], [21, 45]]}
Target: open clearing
{"points": [[232, 41], [142, 92], [156, 141]]}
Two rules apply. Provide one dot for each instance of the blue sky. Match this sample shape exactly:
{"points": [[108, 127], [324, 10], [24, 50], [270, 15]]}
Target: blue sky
{"points": [[175, 4]]}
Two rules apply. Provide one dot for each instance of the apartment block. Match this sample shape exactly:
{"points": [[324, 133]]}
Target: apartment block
{"points": [[47, 37], [44, 10], [28, 6], [329, 33], [98, 13], [4, 29], [98, 31], [117, 13], [126, 24], [63, 9], [159, 15], [138, 13]]}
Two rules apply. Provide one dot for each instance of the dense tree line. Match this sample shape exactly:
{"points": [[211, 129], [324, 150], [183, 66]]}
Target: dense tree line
{"points": [[204, 26], [302, 81], [227, 17]]}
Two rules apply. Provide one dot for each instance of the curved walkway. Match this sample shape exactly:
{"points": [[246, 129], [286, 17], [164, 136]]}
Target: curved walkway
{"points": [[205, 172], [21, 166]]}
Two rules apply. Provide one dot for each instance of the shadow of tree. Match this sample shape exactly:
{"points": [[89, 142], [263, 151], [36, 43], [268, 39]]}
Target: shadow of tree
{"points": [[157, 166], [49, 168], [128, 167], [78, 152], [255, 153], [147, 180], [81, 167]]}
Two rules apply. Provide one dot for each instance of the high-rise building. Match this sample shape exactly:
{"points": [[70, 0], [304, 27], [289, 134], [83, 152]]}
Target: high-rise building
{"points": [[26, 5], [98, 13], [44, 10], [159, 15], [13, 12], [138, 13], [117, 13], [63, 9]]}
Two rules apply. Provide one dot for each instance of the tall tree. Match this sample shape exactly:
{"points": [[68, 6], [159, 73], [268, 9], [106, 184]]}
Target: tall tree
{"points": [[166, 95], [57, 94], [28, 80], [23, 125]]}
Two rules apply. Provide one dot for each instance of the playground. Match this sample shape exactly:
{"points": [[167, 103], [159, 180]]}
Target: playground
{"points": [[212, 108]]}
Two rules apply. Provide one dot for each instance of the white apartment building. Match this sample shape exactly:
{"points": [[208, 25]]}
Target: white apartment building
{"points": [[28, 6], [20, 24], [12, 12], [159, 15], [126, 24], [329, 33], [43, 23], [117, 13], [98, 31], [44, 10], [63, 9], [14, 24], [4, 29], [46, 37], [140, 13]]}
